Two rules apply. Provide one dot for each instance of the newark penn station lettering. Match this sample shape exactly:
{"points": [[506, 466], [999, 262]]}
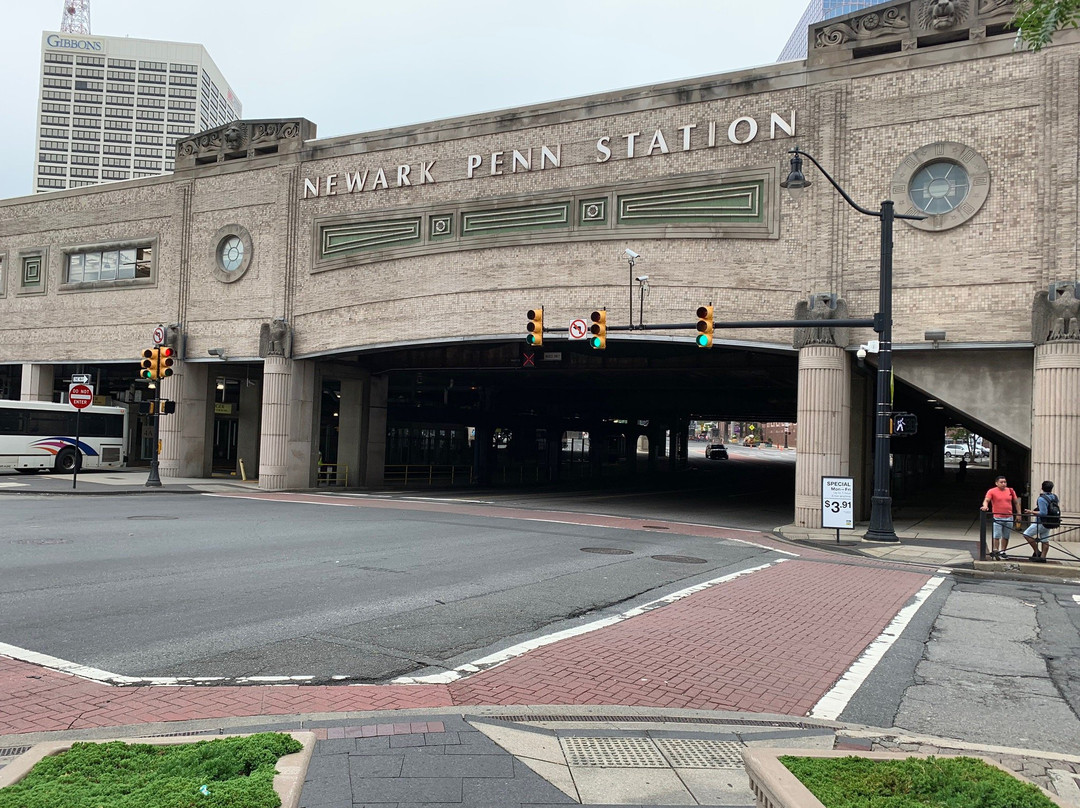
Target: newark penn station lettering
{"points": [[688, 137]]}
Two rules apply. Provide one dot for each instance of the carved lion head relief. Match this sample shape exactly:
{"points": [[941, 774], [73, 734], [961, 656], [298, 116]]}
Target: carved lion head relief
{"points": [[937, 15]]}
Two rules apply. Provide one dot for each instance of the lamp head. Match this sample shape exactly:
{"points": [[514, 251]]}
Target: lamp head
{"points": [[796, 181]]}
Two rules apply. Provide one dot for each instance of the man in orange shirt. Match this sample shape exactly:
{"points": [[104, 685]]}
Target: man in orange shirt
{"points": [[1004, 504]]}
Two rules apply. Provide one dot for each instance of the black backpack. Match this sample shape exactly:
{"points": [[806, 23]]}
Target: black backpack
{"points": [[1053, 511]]}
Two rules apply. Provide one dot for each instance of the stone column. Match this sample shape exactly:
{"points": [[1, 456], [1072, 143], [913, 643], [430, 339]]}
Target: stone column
{"points": [[824, 423], [350, 429], [187, 435], [274, 439], [377, 390], [1055, 424], [37, 382]]}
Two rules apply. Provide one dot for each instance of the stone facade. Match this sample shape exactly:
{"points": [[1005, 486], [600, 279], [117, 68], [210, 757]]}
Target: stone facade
{"points": [[358, 242]]}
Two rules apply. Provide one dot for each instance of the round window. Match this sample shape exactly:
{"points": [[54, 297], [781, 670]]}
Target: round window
{"points": [[944, 182], [939, 187], [231, 253]]}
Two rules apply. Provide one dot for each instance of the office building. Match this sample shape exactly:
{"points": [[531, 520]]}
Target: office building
{"points": [[112, 108], [817, 11]]}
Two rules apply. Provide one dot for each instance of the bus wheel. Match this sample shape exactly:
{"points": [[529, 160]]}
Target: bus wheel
{"points": [[67, 459]]}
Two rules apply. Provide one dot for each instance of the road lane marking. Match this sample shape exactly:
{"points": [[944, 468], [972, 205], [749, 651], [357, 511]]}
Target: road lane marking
{"points": [[505, 655], [836, 700]]}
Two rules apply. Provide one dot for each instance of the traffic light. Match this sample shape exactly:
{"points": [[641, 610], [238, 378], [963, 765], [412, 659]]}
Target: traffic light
{"points": [[149, 364], [598, 329], [165, 362], [704, 326], [535, 327]]}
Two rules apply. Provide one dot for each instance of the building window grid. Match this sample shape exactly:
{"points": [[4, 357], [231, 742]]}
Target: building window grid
{"points": [[120, 88], [81, 134], [62, 58], [61, 170], [51, 183], [115, 175], [84, 159], [122, 263], [54, 70], [122, 63], [89, 73], [54, 120], [81, 109], [46, 157], [55, 95], [87, 148], [46, 107], [63, 133], [162, 66], [92, 61], [61, 83], [119, 100]]}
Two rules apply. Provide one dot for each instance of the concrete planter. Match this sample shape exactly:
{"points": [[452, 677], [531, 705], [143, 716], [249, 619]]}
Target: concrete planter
{"points": [[775, 787], [288, 782]]}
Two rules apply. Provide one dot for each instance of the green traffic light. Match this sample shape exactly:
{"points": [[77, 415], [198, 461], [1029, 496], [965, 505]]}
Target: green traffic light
{"points": [[704, 341]]}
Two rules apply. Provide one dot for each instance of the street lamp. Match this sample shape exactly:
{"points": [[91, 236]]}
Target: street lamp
{"points": [[881, 522]]}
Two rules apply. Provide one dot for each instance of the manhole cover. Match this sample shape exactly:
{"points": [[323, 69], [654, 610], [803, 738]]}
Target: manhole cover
{"points": [[613, 753], [655, 527], [688, 753], [680, 559], [606, 551], [152, 517], [42, 541]]}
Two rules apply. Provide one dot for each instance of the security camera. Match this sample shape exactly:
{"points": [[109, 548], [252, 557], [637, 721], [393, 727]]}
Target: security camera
{"points": [[633, 256], [218, 352], [861, 353], [642, 278]]}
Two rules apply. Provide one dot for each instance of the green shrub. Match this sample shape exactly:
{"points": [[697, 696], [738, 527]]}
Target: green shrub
{"points": [[857, 782], [237, 773]]}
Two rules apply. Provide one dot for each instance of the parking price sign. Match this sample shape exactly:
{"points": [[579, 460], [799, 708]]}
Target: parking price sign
{"points": [[838, 503]]}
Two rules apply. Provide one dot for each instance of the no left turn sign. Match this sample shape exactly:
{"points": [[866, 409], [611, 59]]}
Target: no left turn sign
{"points": [[579, 329]]}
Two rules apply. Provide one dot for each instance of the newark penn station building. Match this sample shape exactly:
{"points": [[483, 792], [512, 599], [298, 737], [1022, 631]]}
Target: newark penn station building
{"points": [[360, 303]]}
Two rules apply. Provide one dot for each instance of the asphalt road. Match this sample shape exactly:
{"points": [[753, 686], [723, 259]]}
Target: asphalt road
{"points": [[195, 585]]}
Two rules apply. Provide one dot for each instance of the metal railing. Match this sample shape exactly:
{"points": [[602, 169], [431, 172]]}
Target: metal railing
{"points": [[332, 474], [1068, 532], [428, 475]]}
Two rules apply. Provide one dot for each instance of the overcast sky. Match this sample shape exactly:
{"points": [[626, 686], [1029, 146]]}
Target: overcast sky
{"points": [[363, 65]]}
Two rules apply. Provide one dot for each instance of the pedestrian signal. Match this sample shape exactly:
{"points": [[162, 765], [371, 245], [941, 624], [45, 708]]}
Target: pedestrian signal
{"points": [[598, 329], [535, 328], [903, 424], [704, 326], [149, 364]]}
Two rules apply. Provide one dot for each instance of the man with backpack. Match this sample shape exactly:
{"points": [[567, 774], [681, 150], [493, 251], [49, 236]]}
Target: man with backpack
{"points": [[1047, 516]]}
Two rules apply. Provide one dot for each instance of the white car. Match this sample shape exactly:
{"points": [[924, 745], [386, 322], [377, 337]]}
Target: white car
{"points": [[957, 450]]}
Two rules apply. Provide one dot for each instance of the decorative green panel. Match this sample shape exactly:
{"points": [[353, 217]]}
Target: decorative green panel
{"points": [[593, 211], [515, 220], [440, 226], [343, 239], [712, 204]]}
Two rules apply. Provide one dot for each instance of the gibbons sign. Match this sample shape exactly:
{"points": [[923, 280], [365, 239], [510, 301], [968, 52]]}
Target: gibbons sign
{"points": [[70, 43]]}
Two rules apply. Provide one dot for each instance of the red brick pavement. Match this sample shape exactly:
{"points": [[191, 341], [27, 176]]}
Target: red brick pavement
{"points": [[774, 641], [34, 699]]}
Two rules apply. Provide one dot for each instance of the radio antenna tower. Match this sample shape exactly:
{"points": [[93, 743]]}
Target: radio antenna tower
{"points": [[76, 17]]}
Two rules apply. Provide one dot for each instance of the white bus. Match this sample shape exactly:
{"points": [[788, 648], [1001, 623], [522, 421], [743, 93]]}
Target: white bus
{"points": [[38, 435]]}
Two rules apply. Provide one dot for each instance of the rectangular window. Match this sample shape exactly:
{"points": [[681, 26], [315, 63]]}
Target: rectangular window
{"points": [[93, 61], [123, 263], [62, 58]]}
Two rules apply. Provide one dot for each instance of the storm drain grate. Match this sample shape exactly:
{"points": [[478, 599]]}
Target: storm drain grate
{"points": [[613, 753], [551, 718], [12, 751], [606, 551], [688, 753]]}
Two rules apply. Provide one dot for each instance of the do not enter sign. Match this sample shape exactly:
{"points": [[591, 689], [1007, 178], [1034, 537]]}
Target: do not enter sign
{"points": [[81, 396]]}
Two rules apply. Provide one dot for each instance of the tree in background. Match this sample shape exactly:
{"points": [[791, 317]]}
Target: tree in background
{"points": [[1039, 20]]}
